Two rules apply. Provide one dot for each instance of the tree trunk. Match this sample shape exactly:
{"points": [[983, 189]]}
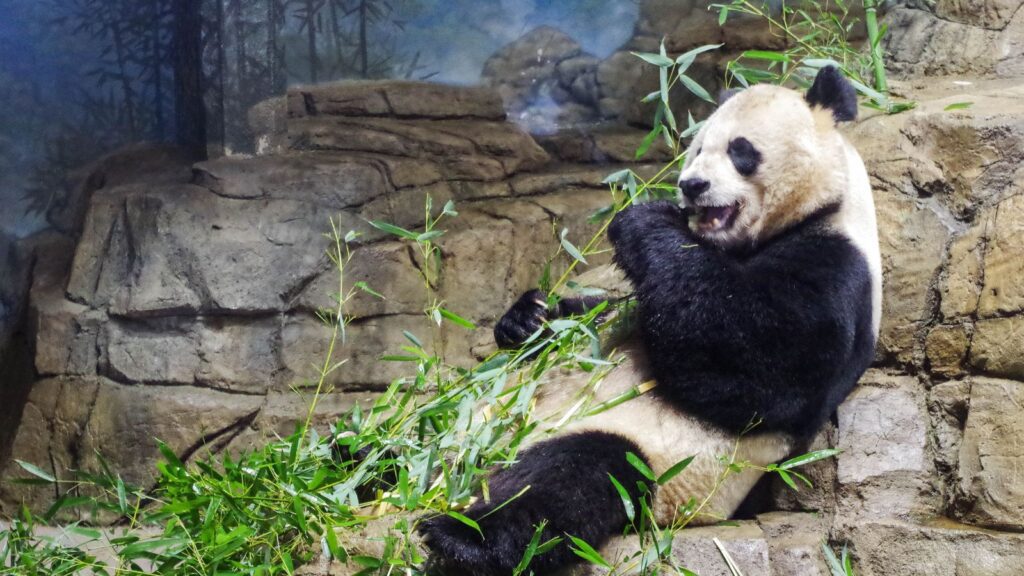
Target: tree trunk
{"points": [[364, 64], [190, 112], [126, 83], [156, 29], [314, 65], [272, 29]]}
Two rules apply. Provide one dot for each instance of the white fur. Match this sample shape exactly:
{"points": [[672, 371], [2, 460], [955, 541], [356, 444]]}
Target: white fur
{"points": [[664, 435]]}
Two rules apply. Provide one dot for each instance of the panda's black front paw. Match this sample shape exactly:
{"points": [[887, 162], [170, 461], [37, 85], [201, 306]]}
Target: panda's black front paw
{"points": [[524, 318], [458, 550]]}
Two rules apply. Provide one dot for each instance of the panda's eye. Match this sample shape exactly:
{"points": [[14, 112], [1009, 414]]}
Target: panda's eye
{"points": [[744, 156]]}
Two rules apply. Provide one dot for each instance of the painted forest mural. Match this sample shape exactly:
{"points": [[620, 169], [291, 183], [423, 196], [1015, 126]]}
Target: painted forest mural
{"points": [[79, 78]]}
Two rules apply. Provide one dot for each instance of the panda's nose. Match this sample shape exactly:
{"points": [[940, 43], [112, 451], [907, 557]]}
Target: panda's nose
{"points": [[693, 187]]}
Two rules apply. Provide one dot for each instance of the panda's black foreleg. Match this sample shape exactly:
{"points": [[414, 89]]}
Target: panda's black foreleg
{"points": [[644, 237], [530, 312], [563, 482]]}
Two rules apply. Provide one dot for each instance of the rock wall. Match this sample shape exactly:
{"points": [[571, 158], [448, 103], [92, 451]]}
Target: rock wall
{"points": [[186, 311]]}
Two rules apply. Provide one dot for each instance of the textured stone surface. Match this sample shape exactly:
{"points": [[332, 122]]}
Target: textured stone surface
{"points": [[67, 421], [959, 37], [992, 455], [942, 549], [996, 348], [794, 543], [885, 470]]}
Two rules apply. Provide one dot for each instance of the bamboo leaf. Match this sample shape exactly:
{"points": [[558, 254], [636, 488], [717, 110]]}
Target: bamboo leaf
{"points": [[627, 502], [36, 471], [587, 552], [569, 247], [392, 229], [467, 521], [809, 457], [656, 59], [456, 319], [674, 470], [695, 88], [640, 465]]}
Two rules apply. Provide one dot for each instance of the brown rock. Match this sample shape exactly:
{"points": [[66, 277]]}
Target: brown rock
{"points": [[794, 543], [73, 419], [990, 14], [961, 282], [912, 241], [946, 348], [395, 98], [996, 347], [1004, 261], [992, 455], [529, 65], [942, 548], [885, 470]]}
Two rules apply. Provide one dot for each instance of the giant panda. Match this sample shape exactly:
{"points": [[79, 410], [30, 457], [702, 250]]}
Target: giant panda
{"points": [[758, 300]]}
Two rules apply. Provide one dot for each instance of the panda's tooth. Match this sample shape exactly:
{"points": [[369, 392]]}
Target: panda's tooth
{"points": [[715, 223]]}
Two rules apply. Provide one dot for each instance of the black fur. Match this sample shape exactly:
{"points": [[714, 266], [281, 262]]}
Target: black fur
{"points": [[569, 488], [780, 334], [744, 156], [831, 90], [530, 311]]}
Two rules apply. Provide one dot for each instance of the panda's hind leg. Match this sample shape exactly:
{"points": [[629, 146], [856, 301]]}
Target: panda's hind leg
{"points": [[569, 488]]}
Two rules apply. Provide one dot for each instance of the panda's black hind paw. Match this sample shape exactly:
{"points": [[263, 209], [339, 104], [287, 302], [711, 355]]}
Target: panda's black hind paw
{"points": [[524, 318]]}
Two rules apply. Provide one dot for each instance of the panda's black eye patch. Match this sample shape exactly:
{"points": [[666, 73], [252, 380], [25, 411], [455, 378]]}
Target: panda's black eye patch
{"points": [[744, 156]]}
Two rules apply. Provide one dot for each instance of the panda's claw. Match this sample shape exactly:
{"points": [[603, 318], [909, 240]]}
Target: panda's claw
{"points": [[524, 318]]}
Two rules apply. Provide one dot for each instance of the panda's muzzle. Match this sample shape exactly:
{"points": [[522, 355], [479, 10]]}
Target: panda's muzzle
{"points": [[706, 219]]}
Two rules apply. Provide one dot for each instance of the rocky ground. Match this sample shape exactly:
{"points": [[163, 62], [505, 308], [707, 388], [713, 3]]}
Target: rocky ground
{"points": [[178, 301]]}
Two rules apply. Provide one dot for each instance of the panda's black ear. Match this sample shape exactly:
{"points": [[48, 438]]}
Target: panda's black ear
{"points": [[726, 94], [833, 91]]}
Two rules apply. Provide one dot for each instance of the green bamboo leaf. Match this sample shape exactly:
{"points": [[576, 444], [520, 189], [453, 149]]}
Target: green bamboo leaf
{"points": [[648, 140], [366, 288], [788, 480], [809, 457], [958, 106], [456, 319], [36, 471], [427, 236], [640, 465], [392, 229], [467, 521], [722, 15], [695, 88], [686, 59], [569, 247], [617, 177], [766, 55], [674, 470], [627, 502], [656, 59], [587, 552]]}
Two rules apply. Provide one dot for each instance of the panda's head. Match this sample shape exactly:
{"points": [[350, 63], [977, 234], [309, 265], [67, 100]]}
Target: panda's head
{"points": [[767, 159]]}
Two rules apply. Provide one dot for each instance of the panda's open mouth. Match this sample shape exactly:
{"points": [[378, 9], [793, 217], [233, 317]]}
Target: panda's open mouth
{"points": [[715, 218]]}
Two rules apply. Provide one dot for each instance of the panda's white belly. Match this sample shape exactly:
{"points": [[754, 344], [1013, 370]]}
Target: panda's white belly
{"points": [[665, 436]]}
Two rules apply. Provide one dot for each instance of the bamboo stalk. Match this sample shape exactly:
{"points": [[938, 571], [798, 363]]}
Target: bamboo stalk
{"points": [[877, 63]]}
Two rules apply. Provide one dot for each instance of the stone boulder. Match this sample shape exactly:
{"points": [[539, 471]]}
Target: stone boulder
{"points": [[954, 37], [200, 285], [545, 80]]}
